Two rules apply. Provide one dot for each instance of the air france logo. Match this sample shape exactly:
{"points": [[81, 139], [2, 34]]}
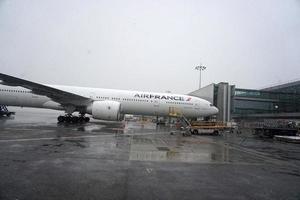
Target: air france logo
{"points": [[162, 97]]}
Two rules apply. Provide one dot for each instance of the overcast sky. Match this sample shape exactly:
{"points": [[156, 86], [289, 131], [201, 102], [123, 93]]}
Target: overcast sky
{"points": [[151, 45]]}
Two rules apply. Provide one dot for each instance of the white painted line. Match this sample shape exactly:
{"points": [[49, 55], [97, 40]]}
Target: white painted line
{"points": [[149, 170]]}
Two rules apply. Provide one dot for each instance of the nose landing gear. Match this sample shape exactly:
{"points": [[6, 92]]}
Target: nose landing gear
{"points": [[69, 118]]}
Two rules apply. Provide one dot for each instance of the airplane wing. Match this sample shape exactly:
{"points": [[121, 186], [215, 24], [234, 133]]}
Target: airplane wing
{"points": [[57, 95]]}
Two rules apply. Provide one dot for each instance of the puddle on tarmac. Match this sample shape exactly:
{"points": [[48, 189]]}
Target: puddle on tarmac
{"points": [[177, 156], [144, 149], [114, 127]]}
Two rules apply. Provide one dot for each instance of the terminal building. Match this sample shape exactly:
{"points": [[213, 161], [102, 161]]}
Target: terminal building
{"points": [[280, 101]]}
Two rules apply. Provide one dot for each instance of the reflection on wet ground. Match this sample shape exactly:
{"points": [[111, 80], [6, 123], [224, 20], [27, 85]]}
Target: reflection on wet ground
{"points": [[139, 160], [147, 142], [177, 149]]}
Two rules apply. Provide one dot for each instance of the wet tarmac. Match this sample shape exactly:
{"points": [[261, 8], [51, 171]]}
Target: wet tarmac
{"points": [[41, 159]]}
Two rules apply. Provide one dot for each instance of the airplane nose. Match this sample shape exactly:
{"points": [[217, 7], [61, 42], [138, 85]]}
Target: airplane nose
{"points": [[215, 110]]}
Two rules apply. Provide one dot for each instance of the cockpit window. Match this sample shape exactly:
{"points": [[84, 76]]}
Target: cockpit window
{"points": [[211, 105]]}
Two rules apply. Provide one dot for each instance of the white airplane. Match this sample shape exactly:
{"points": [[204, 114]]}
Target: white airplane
{"points": [[102, 104]]}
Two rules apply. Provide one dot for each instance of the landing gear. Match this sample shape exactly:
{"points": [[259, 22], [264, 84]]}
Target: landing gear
{"points": [[86, 119], [4, 111], [61, 119], [72, 119]]}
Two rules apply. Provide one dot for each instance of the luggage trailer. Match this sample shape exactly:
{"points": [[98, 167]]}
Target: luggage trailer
{"points": [[207, 127]]}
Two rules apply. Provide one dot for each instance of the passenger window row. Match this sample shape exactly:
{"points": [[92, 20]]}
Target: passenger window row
{"points": [[139, 100], [182, 103], [20, 91], [136, 100], [102, 97]]}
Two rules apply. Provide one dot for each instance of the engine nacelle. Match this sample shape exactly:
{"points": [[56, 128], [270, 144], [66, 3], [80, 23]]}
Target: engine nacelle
{"points": [[105, 110]]}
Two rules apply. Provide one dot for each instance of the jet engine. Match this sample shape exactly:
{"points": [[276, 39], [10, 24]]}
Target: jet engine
{"points": [[105, 110]]}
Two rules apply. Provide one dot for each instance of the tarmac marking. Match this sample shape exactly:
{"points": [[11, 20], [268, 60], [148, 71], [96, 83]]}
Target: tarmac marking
{"points": [[149, 170]]}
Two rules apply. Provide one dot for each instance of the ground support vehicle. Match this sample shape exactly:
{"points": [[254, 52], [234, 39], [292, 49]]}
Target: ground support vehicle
{"points": [[207, 127], [272, 131], [276, 127]]}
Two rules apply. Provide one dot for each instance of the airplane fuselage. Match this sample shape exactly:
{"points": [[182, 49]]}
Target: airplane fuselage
{"points": [[132, 102]]}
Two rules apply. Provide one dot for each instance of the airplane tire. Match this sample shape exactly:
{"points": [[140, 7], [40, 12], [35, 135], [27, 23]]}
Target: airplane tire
{"points": [[68, 119], [81, 119], [75, 119], [86, 119], [216, 132], [61, 119]]}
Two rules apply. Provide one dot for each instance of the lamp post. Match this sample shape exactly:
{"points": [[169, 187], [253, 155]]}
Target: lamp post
{"points": [[200, 68]]}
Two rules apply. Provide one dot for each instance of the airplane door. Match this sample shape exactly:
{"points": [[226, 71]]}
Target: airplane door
{"points": [[175, 112]]}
